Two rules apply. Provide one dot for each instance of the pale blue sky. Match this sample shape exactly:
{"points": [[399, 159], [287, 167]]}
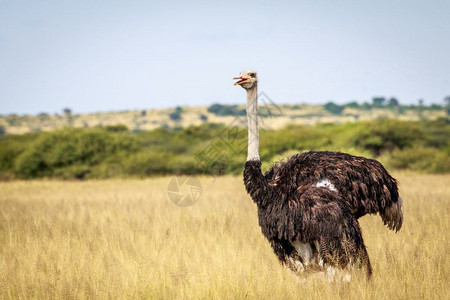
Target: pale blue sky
{"points": [[118, 55]]}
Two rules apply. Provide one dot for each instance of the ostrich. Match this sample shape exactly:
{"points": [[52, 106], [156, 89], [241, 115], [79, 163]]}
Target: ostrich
{"points": [[308, 206]]}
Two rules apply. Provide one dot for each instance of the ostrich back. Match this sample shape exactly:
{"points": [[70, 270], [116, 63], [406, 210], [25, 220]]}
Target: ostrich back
{"points": [[362, 183]]}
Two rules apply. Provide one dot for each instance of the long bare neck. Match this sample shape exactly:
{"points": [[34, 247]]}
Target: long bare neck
{"points": [[255, 182], [252, 119]]}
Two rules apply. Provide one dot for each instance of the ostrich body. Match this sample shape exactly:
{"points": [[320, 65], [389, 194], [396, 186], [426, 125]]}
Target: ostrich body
{"points": [[308, 206]]}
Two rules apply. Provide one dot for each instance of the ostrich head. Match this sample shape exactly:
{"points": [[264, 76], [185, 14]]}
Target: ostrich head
{"points": [[247, 79]]}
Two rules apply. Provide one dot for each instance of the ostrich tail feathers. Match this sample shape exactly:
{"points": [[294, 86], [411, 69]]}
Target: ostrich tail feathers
{"points": [[392, 216]]}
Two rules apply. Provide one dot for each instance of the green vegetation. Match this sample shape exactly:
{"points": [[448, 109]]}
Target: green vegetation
{"points": [[176, 115], [213, 149], [226, 110], [333, 108]]}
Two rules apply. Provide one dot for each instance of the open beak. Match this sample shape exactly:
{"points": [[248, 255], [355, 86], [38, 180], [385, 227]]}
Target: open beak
{"points": [[240, 79]]}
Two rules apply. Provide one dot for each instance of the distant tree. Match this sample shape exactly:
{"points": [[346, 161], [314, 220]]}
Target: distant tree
{"points": [[226, 110], [14, 120], [67, 111], [143, 113], [2, 130], [420, 108], [176, 115], [366, 106], [378, 101], [393, 102], [447, 101], [334, 108], [69, 118], [352, 104], [204, 118], [447, 105], [435, 106], [43, 116]]}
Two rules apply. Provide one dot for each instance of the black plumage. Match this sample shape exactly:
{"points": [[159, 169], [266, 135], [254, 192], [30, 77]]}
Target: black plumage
{"points": [[289, 212], [363, 184]]}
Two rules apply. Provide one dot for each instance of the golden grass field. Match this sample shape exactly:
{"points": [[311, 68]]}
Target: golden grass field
{"points": [[125, 239]]}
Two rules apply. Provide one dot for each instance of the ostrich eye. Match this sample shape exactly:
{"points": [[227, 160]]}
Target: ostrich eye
{"points": [[252, 74]]}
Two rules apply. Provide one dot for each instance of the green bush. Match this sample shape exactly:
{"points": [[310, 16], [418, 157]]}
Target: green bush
{"points": [[420, 159], [62, 149], [147, 163], [387, 135], [333, 108], [116, 128], [436, 133], [215, 149], [11, 147]]}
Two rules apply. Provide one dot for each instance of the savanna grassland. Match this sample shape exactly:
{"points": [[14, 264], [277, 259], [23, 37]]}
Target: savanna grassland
{"points": [[124, 239], [150, 119]]}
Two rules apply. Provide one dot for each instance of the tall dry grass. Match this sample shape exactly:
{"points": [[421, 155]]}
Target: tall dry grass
{"points": [[125, 239]]}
